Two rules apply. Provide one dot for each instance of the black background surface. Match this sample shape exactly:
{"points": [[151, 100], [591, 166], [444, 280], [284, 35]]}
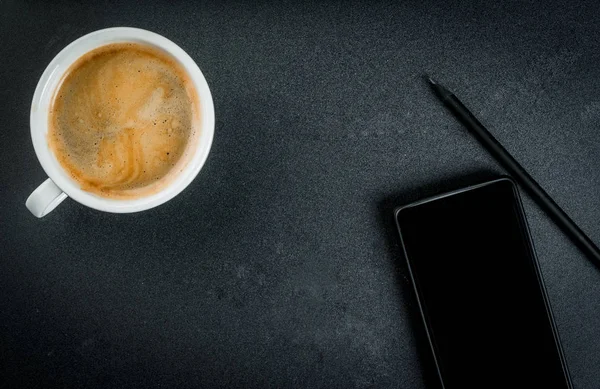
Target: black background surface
{"points": [[280, 266]]}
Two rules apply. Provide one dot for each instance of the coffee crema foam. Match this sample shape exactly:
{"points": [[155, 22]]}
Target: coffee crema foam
{"points": [[123, 119]]}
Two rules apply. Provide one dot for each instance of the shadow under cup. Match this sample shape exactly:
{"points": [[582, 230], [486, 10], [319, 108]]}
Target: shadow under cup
{"points": [[60, 184]]}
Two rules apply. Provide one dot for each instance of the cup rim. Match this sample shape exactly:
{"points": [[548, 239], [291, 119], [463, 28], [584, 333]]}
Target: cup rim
{"points": [[44, 92]]}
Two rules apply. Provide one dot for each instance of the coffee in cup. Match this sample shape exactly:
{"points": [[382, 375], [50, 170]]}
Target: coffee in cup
{"points": [[122, 119]]}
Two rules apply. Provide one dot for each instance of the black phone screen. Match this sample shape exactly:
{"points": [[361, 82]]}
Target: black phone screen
{"points": [[480, 290]]}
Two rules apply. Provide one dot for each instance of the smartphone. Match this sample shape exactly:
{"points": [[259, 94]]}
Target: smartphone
{"points": [[480, 290]]}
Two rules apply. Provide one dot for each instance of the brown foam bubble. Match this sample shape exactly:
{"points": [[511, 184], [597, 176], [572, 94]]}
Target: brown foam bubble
{"points": [[122, 120]]}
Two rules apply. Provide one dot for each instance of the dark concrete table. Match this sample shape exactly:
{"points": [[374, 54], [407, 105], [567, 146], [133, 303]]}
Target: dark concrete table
{"points": [[279, 266]]}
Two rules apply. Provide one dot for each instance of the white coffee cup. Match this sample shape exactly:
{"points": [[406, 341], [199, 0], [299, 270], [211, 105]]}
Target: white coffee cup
{"points": [[60, 185]]}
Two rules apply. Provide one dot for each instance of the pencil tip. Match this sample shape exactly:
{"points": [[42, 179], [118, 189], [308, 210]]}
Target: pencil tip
{"points": [[430, 80], [438, 88]]}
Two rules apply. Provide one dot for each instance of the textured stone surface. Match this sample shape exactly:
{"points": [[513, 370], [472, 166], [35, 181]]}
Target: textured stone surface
{"points": [[279, 266]]}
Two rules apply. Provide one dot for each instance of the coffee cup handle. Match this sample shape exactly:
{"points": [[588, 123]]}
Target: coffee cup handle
{"points": [[45, 198]]}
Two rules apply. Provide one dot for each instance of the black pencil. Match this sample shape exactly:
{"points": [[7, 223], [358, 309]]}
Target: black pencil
{"points": [[517, 171]]}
